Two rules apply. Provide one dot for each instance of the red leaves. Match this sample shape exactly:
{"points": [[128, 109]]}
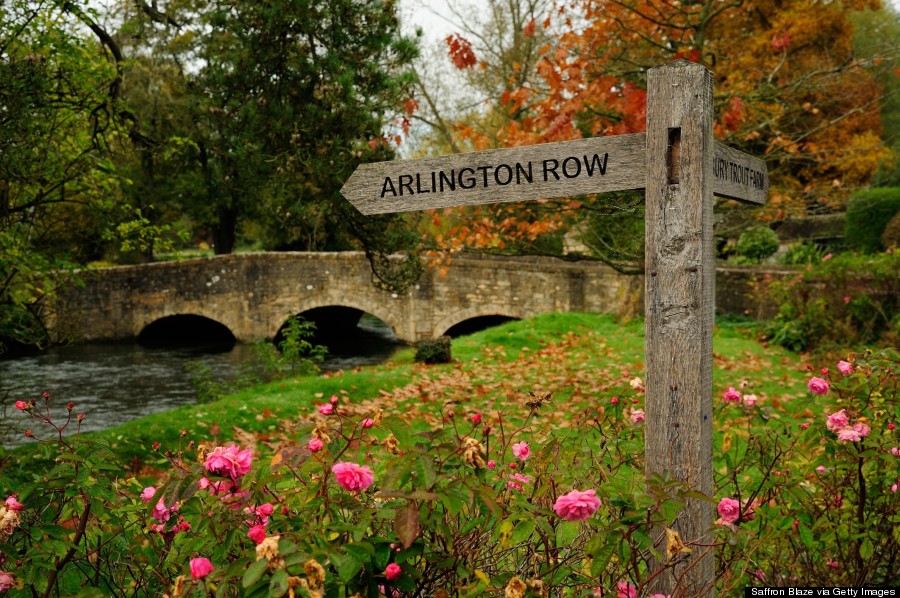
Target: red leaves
{"points": [[560, 128], [460, 51], [781, 41], [692, 55], [528, 30], [734, 115]]}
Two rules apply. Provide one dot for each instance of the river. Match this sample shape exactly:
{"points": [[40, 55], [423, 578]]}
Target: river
{"points": [[114, 383]]}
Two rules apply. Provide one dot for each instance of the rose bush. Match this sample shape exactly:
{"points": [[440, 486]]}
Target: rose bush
{"points": [[472, 505]]}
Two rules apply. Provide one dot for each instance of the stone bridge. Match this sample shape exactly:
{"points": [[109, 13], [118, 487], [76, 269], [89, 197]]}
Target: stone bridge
{"points": [[253, 295]]}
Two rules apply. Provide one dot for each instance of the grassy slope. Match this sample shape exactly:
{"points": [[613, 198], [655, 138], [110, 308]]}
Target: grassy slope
{"points": [[582, 359]]}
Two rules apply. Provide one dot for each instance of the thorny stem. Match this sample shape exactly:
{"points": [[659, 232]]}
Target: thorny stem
{"points": [[79, 534]]}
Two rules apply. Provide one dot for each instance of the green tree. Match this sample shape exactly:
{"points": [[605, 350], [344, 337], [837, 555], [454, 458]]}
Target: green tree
{"points": [[59, 104], [283, 100]]}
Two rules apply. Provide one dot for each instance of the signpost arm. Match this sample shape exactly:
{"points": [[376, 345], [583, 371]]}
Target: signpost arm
{"points": [[680, 302]]}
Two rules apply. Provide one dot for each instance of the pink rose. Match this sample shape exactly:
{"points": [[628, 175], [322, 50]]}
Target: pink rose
{"points": [[160, 512], [521, 450], [392, 571], [661, 596], [750, 400], [577, 505], [614, 400], [848, 435], [148, 492], [862, 429], [21, 405], [821, 469], [637, 416], [845, 367], [229, 462], [315, 445], [729, 509], [838, 420], [731, 395], [257, 533], [353, 477], [817, 385], [13, 504], [201, 567], [326, 409], [6, 581], [491, 464], [895, 451], [368, 423], [476, 418], [524, 479], [625, 590], [265, 510]]}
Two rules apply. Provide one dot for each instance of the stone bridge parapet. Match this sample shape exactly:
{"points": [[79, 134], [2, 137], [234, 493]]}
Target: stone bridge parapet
{"points": [[254, 294]]}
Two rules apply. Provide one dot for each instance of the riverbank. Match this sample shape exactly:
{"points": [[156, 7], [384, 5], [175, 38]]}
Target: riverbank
{"points": [[580, 359]]}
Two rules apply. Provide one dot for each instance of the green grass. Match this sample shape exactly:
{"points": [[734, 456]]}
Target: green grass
{"points": [[583, 359]]}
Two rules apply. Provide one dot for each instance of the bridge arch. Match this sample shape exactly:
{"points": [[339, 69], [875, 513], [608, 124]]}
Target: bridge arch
{"points": [[184, 329], [471, 313], [387, 315]]}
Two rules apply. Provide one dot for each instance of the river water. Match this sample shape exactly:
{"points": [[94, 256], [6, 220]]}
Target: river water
{"points": [[115, 383]]}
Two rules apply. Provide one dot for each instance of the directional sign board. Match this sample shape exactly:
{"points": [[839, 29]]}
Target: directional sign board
{"points": [[546, 171], [738, 175], [514, 174]]}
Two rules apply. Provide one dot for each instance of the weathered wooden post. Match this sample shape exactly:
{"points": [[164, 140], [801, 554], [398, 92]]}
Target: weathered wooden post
{"points": [[680, 166], [680, 279]]}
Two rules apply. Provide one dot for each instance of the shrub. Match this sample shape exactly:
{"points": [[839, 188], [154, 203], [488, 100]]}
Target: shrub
{"points": [[291, 354], [757, 243], [846, 301], [821, 509], [801, 254], [436, 350], [868, 213], [890, 238]]}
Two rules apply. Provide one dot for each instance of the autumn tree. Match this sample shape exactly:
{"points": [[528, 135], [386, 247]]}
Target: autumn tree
{"points": [[877, 32], [789, 88], [492, 56]]}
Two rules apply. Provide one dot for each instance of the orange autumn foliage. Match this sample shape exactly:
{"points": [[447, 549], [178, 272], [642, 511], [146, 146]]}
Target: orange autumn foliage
{"points": [[787, 86]]}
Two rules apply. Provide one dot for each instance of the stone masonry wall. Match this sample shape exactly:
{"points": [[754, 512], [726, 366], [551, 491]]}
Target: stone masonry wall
{"points": [[254, 294]]}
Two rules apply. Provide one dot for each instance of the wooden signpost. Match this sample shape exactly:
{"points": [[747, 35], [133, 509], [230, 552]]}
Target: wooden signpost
{"points": [[680, 166]]}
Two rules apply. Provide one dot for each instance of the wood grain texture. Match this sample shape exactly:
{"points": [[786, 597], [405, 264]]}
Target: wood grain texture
{"points": [[556, 170], [680, 296]]}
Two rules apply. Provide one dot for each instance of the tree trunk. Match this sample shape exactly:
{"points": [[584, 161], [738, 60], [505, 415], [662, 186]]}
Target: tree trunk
{"points": [[224, 232]]}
